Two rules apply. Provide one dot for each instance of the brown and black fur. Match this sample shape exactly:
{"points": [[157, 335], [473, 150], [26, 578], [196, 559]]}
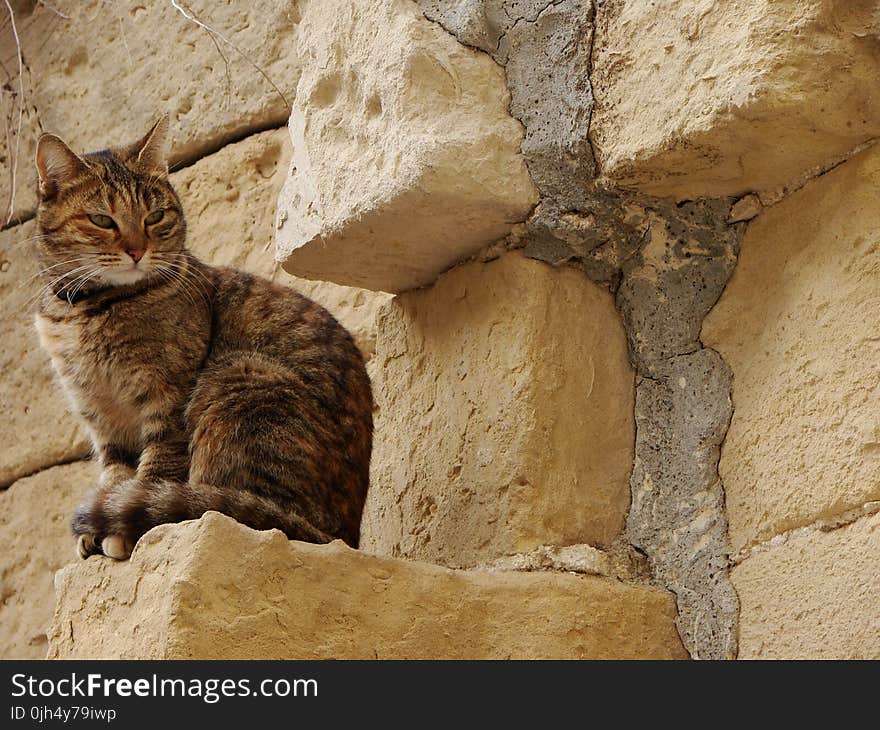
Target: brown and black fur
{"points": [[204, 388]]}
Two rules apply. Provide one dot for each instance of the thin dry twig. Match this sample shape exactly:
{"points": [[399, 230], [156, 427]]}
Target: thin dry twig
{"points": [[53, 9], [14, 161], [190, 16]]}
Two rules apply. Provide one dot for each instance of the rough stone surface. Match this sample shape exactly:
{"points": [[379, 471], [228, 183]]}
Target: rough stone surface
{"points": [[812, 595], [677, 516], [687, 255], [545, 50], [182, 596], [406, 159], [669, 264], [799, 326], [37, 430], [35, 540], [571, 558], [102, 76], [744, 209], [229, 199], [711, 98], [504, 416]]}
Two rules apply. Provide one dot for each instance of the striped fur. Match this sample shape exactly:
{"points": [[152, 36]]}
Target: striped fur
{"points": [[204, 388]]}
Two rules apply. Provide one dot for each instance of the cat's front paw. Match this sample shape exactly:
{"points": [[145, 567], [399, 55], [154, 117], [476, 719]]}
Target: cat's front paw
{"points": [[117, 547], [87, 545]]}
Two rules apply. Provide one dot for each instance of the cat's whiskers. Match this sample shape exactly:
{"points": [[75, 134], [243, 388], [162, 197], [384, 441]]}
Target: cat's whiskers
{"points": [[198, 279], [42, 272], [182, 261], [51, 285], [172, 277], [194, 281], [85, 279]]}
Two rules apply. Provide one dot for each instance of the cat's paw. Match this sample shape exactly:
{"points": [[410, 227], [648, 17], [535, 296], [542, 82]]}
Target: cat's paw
{"points": [[87, 545], [117, 547]]}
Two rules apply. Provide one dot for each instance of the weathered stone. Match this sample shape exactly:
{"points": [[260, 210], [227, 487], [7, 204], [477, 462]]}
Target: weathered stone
{"points": [[799, 326], [504, 416], [674, 279], [545, 50], [38, 432], [745, 209], [677, 516], [213, 589], [670, 263], [103, 74], [572, 558], [716, 98], [812, 595], [229, 200], [35, 540], [405, 157]]}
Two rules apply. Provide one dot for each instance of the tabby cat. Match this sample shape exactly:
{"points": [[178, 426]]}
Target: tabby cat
{"points": [[202, 387]]}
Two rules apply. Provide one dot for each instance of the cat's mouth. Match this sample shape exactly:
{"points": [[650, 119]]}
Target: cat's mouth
{"points": [[126, 275]]}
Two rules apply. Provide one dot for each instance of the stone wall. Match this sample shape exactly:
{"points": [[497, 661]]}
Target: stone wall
{"points": [[633, 333]]}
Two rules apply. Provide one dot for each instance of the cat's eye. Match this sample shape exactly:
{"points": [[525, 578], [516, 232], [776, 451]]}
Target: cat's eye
{"points": [[154, 217], [101, 220]]}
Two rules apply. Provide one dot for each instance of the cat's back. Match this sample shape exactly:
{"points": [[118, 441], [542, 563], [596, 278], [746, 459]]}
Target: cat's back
{"points": [[253, 314]]}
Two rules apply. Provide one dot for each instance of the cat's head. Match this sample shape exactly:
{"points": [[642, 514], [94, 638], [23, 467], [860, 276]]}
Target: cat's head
{"points": [[108, 218]]}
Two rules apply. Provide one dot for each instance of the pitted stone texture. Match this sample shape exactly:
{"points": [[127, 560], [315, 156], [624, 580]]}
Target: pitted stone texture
{"points": [[545, 50], [36, 540], [504, 416], [799, 326], [38, 432], [687, 255], [105, 74], [672, 262], [213, 589], [715, 98], [229, 201], [812, 595], [405, 159], [677, 516]]}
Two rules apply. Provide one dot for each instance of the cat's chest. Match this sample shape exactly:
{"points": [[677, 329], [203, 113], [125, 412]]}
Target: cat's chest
{"points": [[104, 367]]}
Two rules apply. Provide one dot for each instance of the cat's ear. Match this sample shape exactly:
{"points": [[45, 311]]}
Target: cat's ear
{"points": [[148, 155], [56, 163]]}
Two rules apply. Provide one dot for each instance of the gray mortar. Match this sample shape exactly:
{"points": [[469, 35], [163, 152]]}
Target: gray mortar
{"points": [[667, 264]]}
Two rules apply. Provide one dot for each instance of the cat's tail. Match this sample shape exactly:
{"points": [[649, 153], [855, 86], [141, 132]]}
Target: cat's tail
{"points": [[133, 508]]}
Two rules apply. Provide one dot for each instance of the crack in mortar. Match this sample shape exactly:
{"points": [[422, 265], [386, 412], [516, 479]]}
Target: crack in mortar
{"points": [[666, 264]]}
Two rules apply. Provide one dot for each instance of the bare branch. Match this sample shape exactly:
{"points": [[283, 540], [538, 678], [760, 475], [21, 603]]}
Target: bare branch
{"points": [[53, 9], [190, 16], [14, 161]]}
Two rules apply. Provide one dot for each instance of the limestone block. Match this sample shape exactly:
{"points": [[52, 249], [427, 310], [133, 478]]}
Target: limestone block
{"points": [[37, 431], [405, 159], [103, 74], [812, 595], [720, 97], [798, 324], [35, 540], [229, 200], [545, 50], [213, 589], [505, 416]]}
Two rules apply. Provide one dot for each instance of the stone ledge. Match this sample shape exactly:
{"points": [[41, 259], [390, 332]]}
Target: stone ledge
{"points": [[720, 98], [405, 158], [213, 589]]}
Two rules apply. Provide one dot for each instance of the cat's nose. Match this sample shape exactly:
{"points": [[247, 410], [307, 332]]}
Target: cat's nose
{"points": [[136, 253]]}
